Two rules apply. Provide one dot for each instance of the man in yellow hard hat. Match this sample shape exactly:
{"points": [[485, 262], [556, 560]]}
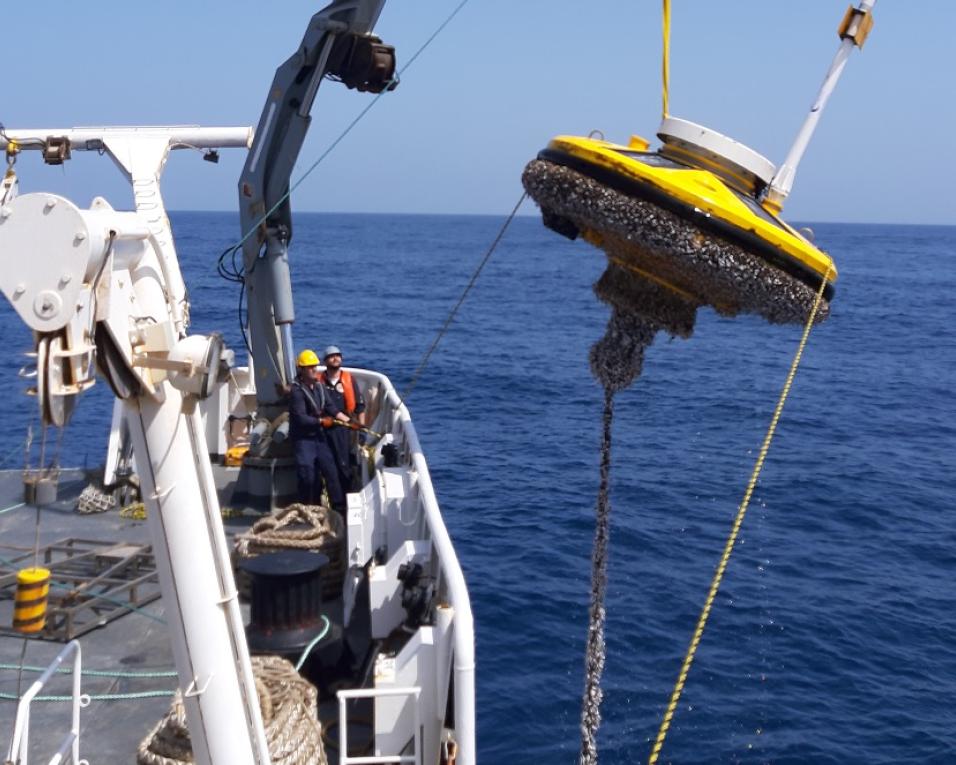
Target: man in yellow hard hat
{"points": [[308, 406]]}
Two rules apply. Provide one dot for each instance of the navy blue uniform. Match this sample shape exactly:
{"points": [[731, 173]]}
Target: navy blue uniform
{"points": [[340, 439], [313, 455]]}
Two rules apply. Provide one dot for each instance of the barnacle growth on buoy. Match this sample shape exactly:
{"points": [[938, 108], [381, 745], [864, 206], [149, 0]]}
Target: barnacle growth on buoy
{"points": [[682, 228]]}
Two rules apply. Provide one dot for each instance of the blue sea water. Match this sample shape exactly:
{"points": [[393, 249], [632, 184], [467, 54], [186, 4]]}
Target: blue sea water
{"points": [[833, 638]]}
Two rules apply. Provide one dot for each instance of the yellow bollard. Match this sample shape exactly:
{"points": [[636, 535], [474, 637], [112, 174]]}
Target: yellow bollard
{"points": [[29, 606]]}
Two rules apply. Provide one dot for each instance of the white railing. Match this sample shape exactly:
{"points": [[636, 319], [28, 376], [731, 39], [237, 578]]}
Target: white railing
{"points": [[69, 750], [453, 580], [92, 138], [385, 759]]}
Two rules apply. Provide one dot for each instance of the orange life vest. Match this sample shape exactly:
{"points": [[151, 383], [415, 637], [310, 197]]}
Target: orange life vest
{"points": [[348, 389]]}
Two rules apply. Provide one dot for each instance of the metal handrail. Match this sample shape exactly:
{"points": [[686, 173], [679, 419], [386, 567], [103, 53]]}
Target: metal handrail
{"points": [[463, 635], [374, 693], [17, 754]]}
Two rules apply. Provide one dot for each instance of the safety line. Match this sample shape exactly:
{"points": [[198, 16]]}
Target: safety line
{"points": [[316, 639], [12, 507], [471, 283], [9, 454], [97, 696], [131, 674], [395, 80], [735, 529]]}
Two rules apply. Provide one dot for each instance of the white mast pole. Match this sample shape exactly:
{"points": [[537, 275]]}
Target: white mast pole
{"points": [[853, 31]]}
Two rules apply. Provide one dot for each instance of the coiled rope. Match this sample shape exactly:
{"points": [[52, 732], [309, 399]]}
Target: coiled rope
{"points": [[301, 527], [734, 531], [288, 703]]}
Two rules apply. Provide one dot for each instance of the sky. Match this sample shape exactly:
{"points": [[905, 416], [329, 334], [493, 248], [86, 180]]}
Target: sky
{"points": [[502, 79]]}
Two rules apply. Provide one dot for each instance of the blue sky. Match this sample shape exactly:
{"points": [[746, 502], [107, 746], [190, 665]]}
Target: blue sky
{"points": [[501, 80]]}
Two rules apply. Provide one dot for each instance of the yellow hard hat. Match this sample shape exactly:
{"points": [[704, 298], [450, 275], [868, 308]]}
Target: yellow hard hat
{"points": [[307, 359]]}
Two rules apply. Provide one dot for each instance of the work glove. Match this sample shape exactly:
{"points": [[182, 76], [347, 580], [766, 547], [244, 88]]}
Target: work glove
{"points": [[327, 422]]}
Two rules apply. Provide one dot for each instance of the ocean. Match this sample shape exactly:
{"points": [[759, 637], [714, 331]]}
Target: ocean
{"points": [[833, 637]]}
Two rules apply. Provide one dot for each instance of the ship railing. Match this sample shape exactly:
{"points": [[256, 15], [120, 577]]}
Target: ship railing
{"points": [[396, 420], [69, 750], [374, 693]]}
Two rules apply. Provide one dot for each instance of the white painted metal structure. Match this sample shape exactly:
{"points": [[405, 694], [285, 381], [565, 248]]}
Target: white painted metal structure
{"points": [[397, 512], [716, 151], [783, 181], [97, 281], [103, 282], [412, 693], [140, 153], [69, 749]]}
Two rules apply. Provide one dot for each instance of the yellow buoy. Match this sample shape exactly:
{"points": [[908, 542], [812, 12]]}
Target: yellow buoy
{"points": [[29, 606]]}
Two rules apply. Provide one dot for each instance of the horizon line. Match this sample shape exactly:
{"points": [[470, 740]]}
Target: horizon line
{"points": [[535, 215]]}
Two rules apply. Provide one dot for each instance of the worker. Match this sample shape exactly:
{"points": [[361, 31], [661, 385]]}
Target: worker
{"points": [[342, 390], [309, 408]]}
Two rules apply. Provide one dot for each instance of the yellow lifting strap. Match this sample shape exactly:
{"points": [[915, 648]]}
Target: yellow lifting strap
{"points": [[735, 529], [666, 64]]}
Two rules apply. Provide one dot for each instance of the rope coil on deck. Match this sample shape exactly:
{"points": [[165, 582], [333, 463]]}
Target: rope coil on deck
{"points": [[314, 528], [288, 704]]}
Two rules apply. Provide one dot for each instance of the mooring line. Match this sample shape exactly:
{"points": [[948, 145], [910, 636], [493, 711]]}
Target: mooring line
{"points": [[734, 531]]}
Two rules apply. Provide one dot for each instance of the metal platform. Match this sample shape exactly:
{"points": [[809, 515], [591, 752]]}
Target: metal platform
{"points": [[91, 582]]}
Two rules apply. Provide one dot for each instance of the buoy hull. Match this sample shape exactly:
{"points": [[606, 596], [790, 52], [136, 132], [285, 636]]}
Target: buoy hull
{"points": [[686, 253]]}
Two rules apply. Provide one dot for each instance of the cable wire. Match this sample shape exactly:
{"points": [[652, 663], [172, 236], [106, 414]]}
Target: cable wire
{"points": [[666, 62], [471, 283]]}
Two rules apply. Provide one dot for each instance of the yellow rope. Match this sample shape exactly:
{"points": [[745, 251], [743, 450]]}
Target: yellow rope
{"points": [[667, 58], [731, 540], [135, 511]]}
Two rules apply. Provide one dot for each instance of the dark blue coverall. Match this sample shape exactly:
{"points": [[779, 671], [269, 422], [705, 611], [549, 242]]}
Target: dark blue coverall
{"points": [[313, 455], [340, 439]]}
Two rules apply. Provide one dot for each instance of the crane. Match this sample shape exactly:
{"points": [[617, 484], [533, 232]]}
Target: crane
{"points": [[102, 290], [338, 44]]}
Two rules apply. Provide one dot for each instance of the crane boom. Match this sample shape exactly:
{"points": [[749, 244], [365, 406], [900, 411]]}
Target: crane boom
{"points": [[337, 44]]}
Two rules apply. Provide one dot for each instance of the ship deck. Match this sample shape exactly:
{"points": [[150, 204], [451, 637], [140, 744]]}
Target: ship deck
{"points": [[135, 642]]}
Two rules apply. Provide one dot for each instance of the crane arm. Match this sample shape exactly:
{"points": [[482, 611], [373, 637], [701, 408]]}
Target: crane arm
{"points": [[338, 44]]}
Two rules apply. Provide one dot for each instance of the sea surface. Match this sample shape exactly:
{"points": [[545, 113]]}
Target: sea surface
{"points": [[833, 637]]}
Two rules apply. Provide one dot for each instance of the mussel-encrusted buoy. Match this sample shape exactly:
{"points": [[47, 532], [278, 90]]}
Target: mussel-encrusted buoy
{"points": [[682, 228]]}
